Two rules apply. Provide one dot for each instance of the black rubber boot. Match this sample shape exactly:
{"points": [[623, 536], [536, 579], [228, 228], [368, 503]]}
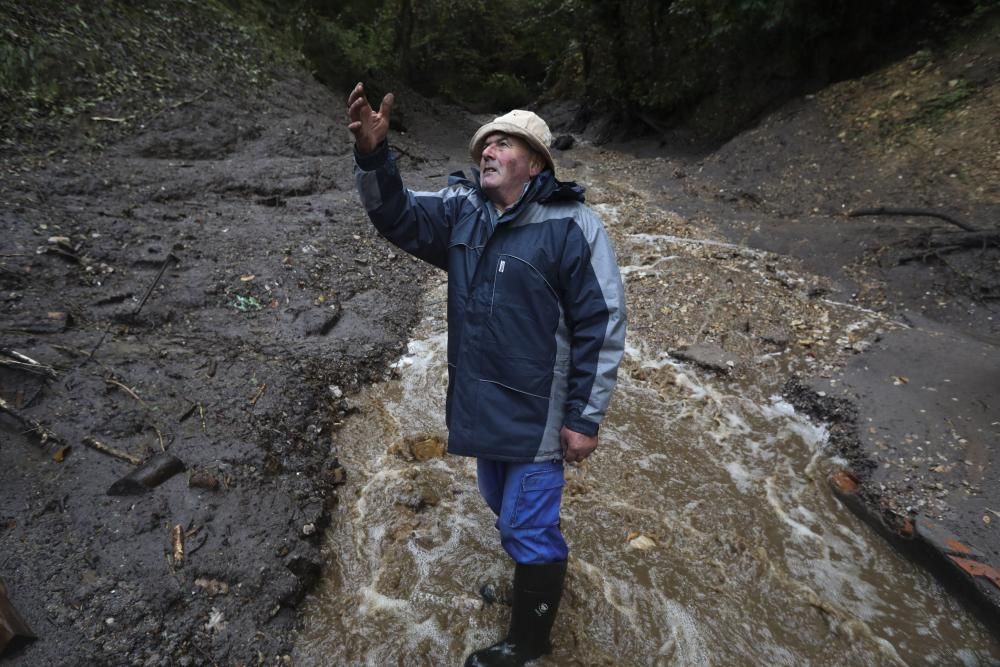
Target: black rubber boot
{"points": [[537, 590]]}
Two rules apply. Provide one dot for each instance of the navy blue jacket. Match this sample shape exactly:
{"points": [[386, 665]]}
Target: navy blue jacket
{"points": [[536, 311]]}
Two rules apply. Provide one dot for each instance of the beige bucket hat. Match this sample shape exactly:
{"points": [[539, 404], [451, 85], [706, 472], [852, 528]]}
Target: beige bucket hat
{"points": [[524, 124]]}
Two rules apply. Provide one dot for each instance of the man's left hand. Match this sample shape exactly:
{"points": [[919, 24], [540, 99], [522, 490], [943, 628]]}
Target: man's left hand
{"points": [[576, 446]]}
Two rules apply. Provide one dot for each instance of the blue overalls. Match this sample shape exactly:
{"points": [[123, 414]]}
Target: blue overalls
{"points": [[526, 498]]}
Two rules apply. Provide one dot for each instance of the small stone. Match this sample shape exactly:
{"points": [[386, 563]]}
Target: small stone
{"points": [[642, 543], [309, 529], [707, 356]]}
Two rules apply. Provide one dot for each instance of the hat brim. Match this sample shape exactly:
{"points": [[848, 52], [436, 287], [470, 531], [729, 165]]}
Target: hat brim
{"points": [[479, 138]]}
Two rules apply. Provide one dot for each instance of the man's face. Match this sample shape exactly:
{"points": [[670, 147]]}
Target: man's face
{"points": [[506, 165]]}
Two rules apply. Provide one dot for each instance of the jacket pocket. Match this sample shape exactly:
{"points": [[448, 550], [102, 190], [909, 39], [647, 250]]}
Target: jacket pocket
{"points": [[509, 422], [518, 284], [538, 499]]}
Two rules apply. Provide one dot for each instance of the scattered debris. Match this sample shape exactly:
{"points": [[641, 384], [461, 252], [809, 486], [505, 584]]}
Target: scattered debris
{"points": [[246, 303], [212, 586], [43, 434], [202, 479], [99, 446], [260, 392], [177, 543], [216, 621], [420, 448], [27, 364]]}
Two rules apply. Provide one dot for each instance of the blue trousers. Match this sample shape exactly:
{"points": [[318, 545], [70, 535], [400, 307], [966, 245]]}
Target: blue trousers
{"points": [[526, 498]]}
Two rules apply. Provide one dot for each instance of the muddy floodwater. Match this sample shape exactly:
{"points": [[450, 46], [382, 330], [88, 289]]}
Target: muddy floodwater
{"points": [[702, 532]]}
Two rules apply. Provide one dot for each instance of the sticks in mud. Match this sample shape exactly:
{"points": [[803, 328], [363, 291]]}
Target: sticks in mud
{"points": [[99, 446], [917, 212], [45, 436], [171, 257], [25, 363]]}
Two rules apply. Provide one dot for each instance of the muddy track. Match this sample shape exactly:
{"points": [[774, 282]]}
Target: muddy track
{"points": [[220, 295]]}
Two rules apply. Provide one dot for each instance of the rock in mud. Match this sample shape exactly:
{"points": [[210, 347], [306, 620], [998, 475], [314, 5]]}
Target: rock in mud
{"points": [[706, 355]]}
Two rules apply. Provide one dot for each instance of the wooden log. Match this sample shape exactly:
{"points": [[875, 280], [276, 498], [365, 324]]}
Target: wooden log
{"points": [[149, 475]]}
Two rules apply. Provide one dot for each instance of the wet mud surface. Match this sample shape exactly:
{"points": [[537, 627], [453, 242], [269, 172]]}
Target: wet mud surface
{"points": [[208, 288]]}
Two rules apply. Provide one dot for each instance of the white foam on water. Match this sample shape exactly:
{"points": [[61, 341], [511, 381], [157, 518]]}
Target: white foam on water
{"points": [[372, 602], [684, 644], [742, 478], [799, 530], [642, 269]]}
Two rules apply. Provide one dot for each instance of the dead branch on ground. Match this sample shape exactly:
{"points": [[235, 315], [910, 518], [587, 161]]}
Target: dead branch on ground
{"points": [[27, 364], [99, 446], [45, 436], [915, 212]]}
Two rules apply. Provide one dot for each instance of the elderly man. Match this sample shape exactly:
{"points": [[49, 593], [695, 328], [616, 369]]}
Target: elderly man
{"points": [[536, 331]]}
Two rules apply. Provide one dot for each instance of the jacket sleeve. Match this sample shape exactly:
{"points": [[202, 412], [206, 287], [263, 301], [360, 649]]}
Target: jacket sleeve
{"points": [[417, 222], [594, 305]]}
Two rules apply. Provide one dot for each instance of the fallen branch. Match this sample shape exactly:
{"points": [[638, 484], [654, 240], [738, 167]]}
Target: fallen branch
{"points": [[96, 444], [177, 538], [123, 387], [941, 244], [44, 435], [260, 392], [171, 257], [27, 364], [915, 212]]}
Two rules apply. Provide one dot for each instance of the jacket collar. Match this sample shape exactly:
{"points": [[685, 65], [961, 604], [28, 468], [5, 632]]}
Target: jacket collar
{"points": [[543, 188]]}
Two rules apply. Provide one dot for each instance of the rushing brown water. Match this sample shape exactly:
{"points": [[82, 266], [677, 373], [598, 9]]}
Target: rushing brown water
{"points": [[702, 532]]}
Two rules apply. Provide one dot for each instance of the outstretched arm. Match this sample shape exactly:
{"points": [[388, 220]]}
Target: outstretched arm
{"points": [[368, 126]]}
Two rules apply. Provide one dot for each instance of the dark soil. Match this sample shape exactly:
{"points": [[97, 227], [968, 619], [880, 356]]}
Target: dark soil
{"points": [[276, 301]]}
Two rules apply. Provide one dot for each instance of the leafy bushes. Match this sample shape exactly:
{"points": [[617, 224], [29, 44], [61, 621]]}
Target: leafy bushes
{"points": [[711, 64]]}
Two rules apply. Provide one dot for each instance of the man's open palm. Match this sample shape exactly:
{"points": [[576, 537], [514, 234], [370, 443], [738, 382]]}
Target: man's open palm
{"points": [[368, 126]]}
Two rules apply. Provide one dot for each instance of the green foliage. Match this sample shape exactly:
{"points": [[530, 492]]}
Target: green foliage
{"points": [[712, 63], [718, 63], [116, 59]]}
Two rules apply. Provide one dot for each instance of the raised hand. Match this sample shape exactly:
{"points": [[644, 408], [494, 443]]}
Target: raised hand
{"points": [[368, 126]]}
